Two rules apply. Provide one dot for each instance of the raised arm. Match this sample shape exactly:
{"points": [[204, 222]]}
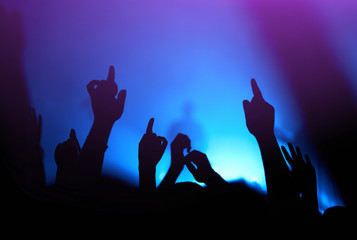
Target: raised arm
{"points": [[198, 164], [66, 157], [304, 178], [151, 149], [259, 117], [107, 107], [178, 145]]}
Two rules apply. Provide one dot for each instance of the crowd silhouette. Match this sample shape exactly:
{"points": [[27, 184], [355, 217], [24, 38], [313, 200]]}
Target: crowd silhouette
{"points": [[81, 189]]}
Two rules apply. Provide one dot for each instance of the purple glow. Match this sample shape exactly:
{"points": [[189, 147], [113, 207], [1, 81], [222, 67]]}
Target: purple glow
{"points": [[169, 53]]}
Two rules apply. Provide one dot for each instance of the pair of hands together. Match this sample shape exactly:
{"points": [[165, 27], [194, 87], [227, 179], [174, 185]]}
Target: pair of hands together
{"points": [[152, 147]]}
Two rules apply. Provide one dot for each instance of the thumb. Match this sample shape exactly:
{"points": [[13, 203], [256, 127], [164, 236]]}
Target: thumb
{"points": [[73, 137], [246, 105]]}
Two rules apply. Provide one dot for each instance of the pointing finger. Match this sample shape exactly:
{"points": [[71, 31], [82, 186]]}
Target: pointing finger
{"points": [[149, 127], [256, 91], [111, 74]]}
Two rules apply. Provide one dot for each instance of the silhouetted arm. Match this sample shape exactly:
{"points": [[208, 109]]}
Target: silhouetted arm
{"points": [[260, 122], [198, 164], [304, 177], [66, 157], [107, 108], [151, 149], [178, 145]]}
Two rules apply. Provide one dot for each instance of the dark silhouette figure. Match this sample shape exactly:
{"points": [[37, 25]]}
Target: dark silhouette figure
{"points": [[107, 108], [259, 117], [188, 125], [22, 176], [66, 157], [304, 177], [201, 169], [178, 145], [79, 169], [20, 127], [316, 80], [151, 149]]}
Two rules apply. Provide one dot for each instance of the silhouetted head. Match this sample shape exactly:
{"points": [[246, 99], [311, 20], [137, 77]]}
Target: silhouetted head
{"points": [[188, 110]]}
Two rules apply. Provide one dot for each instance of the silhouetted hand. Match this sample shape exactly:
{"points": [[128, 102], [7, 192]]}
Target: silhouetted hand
{"points": [[67, 153], [66, 157], [178, 145], [259, 117], [259, 114], [304, 176], [198, 164], [106, 106], [151, 149]]}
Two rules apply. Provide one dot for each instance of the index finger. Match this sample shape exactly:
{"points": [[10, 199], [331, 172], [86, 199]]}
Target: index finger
{"points": [[149, 127], [111, 74], [256, 90]]}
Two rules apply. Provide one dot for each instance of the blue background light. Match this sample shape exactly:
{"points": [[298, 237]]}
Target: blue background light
{"points": [[172, 57]]}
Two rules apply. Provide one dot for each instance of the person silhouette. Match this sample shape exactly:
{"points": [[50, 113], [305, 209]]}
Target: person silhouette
{"points": [[304, 177], [188, 125], [178, 145], [260, 118], [107, 107], [66, 157], [151, 149]]}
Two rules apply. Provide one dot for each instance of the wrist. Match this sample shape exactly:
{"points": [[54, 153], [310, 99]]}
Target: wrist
{"points": [[266, 138], [175, 169], [100, 121], [214, 179], [144, 167]]}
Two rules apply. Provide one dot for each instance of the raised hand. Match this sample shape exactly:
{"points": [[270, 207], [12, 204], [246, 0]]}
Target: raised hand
{"points": [[151, 149], [105, 104], [178, 145], [107, 108], [198, 164], [67, 153], [304, 177], [66, 157], [259, 114]]}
